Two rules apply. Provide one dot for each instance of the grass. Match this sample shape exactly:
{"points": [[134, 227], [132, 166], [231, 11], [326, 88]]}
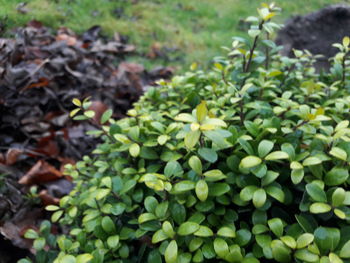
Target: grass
{"points": [[195, 28]]}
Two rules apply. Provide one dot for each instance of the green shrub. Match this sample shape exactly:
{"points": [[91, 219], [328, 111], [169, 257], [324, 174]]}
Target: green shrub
{"points": [[245, 163]]}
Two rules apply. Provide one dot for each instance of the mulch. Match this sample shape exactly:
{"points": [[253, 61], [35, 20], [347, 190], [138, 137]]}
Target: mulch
{"points": [[41, 71]]}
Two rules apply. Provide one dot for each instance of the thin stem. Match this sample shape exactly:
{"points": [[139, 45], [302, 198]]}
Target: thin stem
{"points": [[344, 71], [267, 53], [251, 51]]}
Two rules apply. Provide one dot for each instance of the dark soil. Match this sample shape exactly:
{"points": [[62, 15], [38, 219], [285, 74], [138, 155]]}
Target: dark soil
{"points": [[316, 32]]}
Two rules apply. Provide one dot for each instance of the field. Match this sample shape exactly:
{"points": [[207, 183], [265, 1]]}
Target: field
{"points": [[185, 30]]}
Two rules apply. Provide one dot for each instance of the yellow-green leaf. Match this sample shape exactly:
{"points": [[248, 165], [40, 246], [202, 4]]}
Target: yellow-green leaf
{"points": [[171, 252], [339, 153], [202, 111], [250, 161], [277, 156]]}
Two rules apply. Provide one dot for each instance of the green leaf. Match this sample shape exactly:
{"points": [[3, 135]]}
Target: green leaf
{"points": [[184, 186], [168, 229], [269, 178], [339, 153], [162, 139], [154, 257], [134, 150], [90, 114], [84, 258], [196, 164], [311, 161], [247, 192], [201, 111], [338, 197], [204, 231], [171, 252], [243, 237], [195, 244], [113, 241], [202, 190], [227, 231], [326, 238], [254, 32], [264, 148], [250, 161], [214, 175], [106, 116], [68, 259], [316, 193], [159, 236], [336, 176], [319, 208], [345, 250], [278, 155], [151, 204], [208, 154], [31, 234], [185, 117], [146, 217], [306, 256], [259, 198], [39, 243], [221, 247], [289, 241], [187, 228], [218, 189], [108, 224], [280, 252], [76, 102], [191, 138], [276, 193], [276, 226], [297, 176], [304, 240]]}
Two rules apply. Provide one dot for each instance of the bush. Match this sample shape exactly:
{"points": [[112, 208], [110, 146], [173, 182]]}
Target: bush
{"points": [[245, 163]]}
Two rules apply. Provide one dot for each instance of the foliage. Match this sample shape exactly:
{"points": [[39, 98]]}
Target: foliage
{"points": [[245, 163]]}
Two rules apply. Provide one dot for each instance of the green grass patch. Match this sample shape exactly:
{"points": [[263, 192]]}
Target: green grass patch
{"points": [[195, 28]]}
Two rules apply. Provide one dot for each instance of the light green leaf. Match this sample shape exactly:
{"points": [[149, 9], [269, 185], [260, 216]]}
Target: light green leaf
{"points": [[339, 153], [202, 190], [187, 228], [171, 252], [259, 198], [250, 161], [221, 247], [84, 258], [338, 197], [185, 117], [345, 250], [134, 150], [196, 164], [191, 138], [319, 208], [204, 231], [278, 155], [311, 161], [113, 241], [304, 240], [316, 193], [184, 186], [201, 111], [264, 148], [227, 231], [106, 116]]}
